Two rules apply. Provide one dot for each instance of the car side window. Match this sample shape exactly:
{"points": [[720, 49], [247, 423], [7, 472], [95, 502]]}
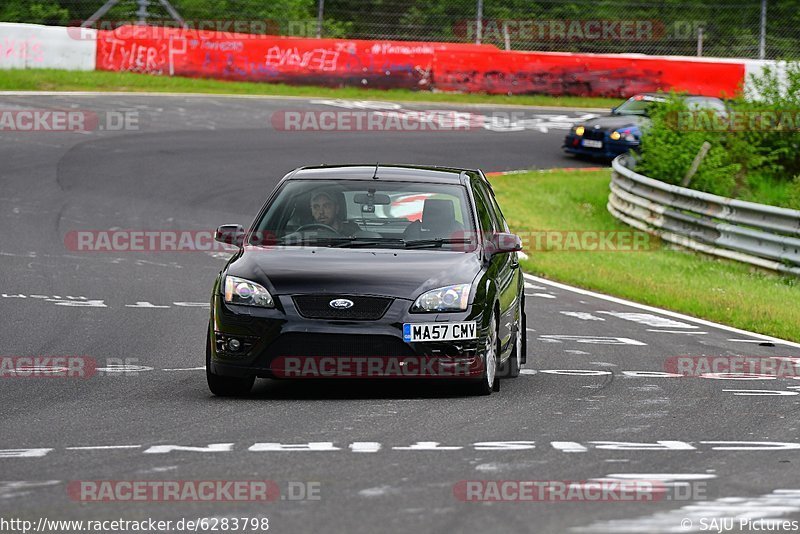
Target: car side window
{"points": [[484, 212], [502, 226], [489, 202]]}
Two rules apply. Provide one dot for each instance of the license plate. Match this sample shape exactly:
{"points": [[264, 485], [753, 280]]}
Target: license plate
{"points": [[591, 143], [439, 331]]}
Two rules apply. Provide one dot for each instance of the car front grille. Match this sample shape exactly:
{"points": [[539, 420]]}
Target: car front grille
{"points": [[363, 308], [326, 345], [597, 135]]}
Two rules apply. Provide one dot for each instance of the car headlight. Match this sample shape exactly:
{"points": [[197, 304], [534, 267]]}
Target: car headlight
{"points": [[579, 130], [627, 135], [246, 293], [444, 299]]}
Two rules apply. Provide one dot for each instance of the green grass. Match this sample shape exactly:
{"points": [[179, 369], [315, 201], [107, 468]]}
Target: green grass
{"points": [[702, 286], [58, 80], [775, 192]]}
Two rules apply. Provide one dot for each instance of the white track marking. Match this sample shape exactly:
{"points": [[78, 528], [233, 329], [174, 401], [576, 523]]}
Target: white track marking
{"points": [[145, 304], [527, 286], [124, 368], [199, 96], [595, 340], [650, 374], [365, 446], [698, 516], [540, 295], [22, 488], [81, 303], [103, 447], [677, 332], [659, 310], [568, 446], [760, 392], [505, 445], [586, 316], [24, 453], [661, 477], [648, 319], [378, 491], [576, 372]]}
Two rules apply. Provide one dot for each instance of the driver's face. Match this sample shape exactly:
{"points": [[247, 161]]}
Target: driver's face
{"points": [[323, 209]]}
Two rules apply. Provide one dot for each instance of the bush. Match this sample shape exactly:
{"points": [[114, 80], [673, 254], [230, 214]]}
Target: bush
{"points": [[41, 12], [667, 152], [751, 163], [793, 196]]}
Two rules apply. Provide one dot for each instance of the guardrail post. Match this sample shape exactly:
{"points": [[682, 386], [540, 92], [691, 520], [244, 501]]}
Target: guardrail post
{"points": [[698, 159]]}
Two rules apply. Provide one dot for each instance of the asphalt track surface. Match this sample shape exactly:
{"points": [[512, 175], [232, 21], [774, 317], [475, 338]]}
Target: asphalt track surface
{"points": [[389, 454]]}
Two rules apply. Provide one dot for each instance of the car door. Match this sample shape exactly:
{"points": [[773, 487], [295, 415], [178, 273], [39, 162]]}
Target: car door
{"points": [[502, 266], [511, 273]]}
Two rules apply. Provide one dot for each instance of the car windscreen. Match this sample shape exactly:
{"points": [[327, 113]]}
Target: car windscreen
{"points": [[638, 105], [368, 214], [703, 102]]}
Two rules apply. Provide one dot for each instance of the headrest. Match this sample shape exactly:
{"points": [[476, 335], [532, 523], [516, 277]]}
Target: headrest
{"points": [[437, 211]]}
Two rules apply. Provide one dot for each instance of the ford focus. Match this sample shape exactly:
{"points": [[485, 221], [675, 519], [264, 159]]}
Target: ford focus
{"points": [[370, 271]]}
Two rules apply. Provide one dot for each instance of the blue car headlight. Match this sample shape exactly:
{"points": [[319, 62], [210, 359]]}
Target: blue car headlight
{"points": [[630, 135], [444, 299]]}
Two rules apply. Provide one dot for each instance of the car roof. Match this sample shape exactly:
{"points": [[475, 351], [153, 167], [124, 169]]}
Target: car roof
{"points": [[393, 172], [665, 96]]}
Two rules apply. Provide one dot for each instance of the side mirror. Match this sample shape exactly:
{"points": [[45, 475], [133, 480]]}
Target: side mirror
{"points": [[502, 242], [231, 234], [614, 110]]}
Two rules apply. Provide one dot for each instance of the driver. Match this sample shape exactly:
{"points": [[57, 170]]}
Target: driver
{"points": [[325, 210]]}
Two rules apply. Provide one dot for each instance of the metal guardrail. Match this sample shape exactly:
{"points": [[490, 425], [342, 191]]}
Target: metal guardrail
{"points": [[762, 235]]}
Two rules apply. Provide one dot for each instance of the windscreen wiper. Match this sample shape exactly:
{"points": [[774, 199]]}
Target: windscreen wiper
{"points": [[369, 241], [436, 242], [318, 241]]}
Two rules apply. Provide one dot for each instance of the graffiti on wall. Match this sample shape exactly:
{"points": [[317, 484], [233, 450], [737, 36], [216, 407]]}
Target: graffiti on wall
{"points": [[21, 49], [422, 66]]}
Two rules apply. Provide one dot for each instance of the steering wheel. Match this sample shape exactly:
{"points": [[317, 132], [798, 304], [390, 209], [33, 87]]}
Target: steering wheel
{"points": [[316, 225]]}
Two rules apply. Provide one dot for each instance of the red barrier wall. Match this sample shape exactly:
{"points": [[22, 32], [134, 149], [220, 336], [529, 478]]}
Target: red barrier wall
{"points": [[401, 64], [580, 74]]}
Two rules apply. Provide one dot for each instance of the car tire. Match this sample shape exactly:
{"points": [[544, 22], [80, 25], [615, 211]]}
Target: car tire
{"points": [[512, 365], [225, 386], [490, 380]]}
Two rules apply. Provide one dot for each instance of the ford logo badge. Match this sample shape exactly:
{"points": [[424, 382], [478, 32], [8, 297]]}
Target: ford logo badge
{"points": [[340, 304]]}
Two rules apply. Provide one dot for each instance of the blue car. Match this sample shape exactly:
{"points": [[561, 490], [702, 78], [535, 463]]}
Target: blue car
{"points": [[609, 136]]}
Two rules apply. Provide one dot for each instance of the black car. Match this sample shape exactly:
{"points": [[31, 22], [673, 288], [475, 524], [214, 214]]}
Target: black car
{"points": [[609, 136], [370, 271]]}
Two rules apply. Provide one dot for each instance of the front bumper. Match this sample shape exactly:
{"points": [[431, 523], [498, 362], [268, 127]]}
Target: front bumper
{"points": [[610, 150], [274, 340]]}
